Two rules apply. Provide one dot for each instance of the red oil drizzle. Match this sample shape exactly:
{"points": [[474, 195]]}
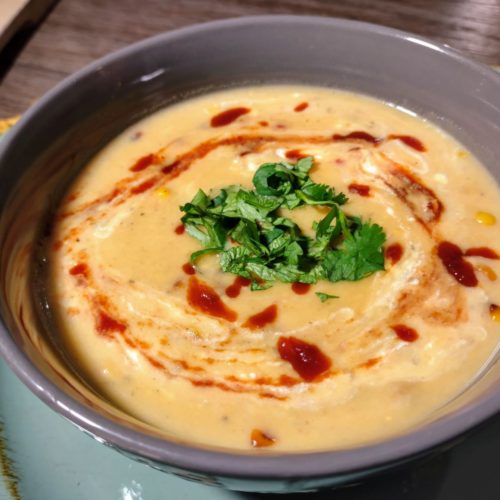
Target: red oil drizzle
{"points": [[144, 186], [301, 288], [369, 363], [452, 258], [485, 252], [409, 188], [205, 299], [394, 252], [80, 270], [306, 359], [410, 141], [254, 141], [287, 381], [106, 324], [405, 333], [295, 154], [234, 289], [143, 163], [171, 167], [228, 116], [262, 318], [300, 107], [130, 342], [357, 134], [264, 123], [185, 160], [361, 189], [180, 229], [154, 362], [116, 192], [260, 439], [189, 268]]}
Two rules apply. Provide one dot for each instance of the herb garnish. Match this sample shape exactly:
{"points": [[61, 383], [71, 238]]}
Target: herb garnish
{"points": [[326, 296], [255, 241]]}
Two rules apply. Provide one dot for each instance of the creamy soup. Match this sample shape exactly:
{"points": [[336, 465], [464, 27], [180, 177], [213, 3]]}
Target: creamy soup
{"points": [[197, 354]]}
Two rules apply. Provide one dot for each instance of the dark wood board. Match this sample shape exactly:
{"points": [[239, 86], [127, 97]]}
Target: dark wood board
{"points": [[25, 17], [79, 31]]}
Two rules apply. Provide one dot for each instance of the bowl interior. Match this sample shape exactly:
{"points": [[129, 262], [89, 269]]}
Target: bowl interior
{"points": [[68, 126]]}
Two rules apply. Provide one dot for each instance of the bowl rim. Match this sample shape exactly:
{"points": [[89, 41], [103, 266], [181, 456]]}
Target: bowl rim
{"points": [[229, 463]]}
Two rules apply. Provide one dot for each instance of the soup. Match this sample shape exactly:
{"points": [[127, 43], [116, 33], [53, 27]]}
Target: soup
{"points": [[402, 321]]}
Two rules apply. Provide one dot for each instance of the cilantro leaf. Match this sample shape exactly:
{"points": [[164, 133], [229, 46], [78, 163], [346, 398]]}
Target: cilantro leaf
{"points": [[292, 253], [241, 203], [273, 179], [246, 233], [359, 256], [208, 230], [326, 234], [326, 296], [304, 165], [320, 194], [235, 260], [195, 255]]}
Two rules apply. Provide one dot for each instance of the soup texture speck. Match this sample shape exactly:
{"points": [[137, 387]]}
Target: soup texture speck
{"points": [[198, 355]]}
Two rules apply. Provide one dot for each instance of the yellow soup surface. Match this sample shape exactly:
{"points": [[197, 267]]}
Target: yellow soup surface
{"points": [[393, 347]]}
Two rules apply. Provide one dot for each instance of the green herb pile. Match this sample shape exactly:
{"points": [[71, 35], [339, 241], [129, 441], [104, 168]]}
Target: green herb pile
{"points": [[253, 239]]}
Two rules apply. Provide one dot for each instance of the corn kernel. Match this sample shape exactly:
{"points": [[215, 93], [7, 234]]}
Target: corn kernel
{"points": [[488, 272], [461, 153], [163, 192], [485, 218], [8, 123], [495, 312]]}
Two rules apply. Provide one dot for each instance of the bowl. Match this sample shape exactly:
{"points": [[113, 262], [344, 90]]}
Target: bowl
{"points": [[71, 123]]}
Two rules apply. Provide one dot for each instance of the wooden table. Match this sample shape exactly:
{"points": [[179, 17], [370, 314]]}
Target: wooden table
{"points": [[79, 31]]}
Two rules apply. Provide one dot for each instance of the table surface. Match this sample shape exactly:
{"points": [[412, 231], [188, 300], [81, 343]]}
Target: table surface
{"points": [[78, 31]]}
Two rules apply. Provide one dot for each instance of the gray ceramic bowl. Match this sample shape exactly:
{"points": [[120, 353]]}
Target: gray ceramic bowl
{"points": [[65, 128]]}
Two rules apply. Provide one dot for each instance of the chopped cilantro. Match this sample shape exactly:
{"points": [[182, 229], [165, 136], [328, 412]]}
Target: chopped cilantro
{"points": [[253, 240], [326, 296]]}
